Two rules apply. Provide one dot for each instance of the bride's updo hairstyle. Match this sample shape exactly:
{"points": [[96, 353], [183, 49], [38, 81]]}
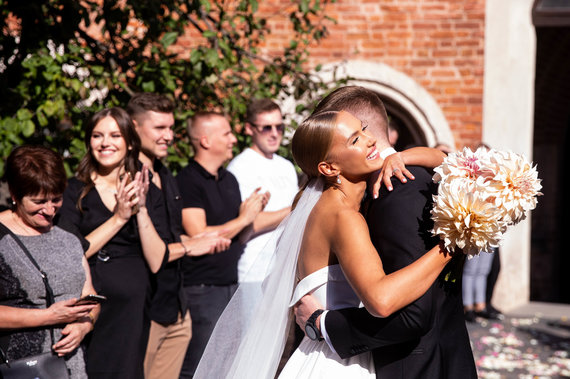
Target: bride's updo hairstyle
{"points": [[311, 144], [312, 141]]}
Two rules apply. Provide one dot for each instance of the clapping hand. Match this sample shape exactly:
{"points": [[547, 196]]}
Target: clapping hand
{"points": [[143, 182], [127, 196], [206, 243], [254, 204]]}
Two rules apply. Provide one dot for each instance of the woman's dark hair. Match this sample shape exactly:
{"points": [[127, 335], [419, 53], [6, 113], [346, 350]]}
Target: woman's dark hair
{"points": [[89, 165], [34, 170]]}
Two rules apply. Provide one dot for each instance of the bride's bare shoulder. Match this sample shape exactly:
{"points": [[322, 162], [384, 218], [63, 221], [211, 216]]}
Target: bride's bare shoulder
{"points": [[331, 213]]}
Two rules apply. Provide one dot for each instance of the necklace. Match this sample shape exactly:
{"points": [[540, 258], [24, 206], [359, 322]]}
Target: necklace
{"points": [[110, 190], [106, 188]]}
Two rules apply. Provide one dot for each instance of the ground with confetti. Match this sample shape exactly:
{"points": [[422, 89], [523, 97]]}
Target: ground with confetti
{"points": [[534, 345]]}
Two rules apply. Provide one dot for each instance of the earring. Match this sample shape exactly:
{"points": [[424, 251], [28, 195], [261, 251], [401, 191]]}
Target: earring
{"points": [[338, 179]]}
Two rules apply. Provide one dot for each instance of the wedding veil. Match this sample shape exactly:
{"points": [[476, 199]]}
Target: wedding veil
{"points": [[250, 335]]}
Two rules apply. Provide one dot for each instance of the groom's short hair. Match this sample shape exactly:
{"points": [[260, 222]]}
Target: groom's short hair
{"points": [[362, 103]]}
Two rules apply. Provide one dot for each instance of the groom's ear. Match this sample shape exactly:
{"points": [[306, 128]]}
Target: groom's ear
{"points": [[328, 169]]}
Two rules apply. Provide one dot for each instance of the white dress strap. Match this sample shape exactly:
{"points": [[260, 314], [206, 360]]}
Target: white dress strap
{"points": [[315, 280]]}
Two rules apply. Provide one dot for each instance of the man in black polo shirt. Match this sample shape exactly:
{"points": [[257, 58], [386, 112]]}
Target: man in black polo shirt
{"points": [[170, 326], [212, 202]]}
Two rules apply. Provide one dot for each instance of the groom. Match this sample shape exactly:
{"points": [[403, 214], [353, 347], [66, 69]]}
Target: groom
{"points": [[428, 338]]}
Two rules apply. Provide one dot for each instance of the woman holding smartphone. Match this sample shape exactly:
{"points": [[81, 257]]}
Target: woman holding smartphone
{"points": [[36, 179], [101, 206]]}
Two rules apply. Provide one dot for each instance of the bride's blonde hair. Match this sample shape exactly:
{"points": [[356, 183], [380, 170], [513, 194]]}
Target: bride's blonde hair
{"points": [[311, 144]]}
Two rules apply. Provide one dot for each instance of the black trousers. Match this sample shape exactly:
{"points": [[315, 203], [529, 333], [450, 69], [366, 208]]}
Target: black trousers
{"points": [[206, 304]]}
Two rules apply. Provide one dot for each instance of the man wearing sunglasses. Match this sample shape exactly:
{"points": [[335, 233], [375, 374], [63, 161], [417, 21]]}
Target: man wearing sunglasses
{"points": [[260, 166]]}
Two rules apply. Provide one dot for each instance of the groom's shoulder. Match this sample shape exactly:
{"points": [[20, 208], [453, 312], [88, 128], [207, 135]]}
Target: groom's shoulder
{"points": [[422, 182], [422, 174]]}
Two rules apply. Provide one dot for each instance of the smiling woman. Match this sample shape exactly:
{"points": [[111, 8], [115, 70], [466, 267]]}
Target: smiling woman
{"points": [[323, 248], [36, 179], [101, 206]]}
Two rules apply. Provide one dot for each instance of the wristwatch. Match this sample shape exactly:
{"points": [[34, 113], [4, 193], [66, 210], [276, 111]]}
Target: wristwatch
{"points": [[311, 329]]}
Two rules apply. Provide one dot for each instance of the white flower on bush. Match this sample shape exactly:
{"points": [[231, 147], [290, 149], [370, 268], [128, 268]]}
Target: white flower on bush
{"points": [[74, 70], [464, 218]]}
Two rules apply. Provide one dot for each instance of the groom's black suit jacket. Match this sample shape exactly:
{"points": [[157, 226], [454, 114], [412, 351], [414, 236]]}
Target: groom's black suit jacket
{"points": [[428, 338]]}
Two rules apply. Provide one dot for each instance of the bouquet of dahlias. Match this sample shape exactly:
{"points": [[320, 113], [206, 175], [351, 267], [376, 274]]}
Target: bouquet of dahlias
{"points": [[480, 195]]}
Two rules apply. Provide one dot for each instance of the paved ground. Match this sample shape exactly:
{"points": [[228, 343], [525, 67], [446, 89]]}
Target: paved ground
{"points": [[532, 341]]}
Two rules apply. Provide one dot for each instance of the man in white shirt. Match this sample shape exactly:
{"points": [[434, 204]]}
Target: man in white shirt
{"points": [[260, 167]]}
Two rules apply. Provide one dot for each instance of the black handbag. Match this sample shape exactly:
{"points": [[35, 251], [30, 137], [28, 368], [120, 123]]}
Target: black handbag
{"points": [[40, 366]]}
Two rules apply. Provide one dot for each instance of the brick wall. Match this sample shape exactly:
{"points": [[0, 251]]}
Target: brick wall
{"points": [[438, 43]]}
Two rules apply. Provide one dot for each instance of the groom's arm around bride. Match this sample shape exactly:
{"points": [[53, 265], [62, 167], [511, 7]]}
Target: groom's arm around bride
{"points": [[426, 339]]}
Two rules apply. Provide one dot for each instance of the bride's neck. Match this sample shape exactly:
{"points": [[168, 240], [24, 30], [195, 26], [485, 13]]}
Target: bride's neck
{"points": [[351, 193]]}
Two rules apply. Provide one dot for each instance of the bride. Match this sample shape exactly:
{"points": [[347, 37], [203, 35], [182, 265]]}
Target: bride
{"points": [[323, 246]]}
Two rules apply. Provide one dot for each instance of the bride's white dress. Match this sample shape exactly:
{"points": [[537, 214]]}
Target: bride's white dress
{"points": [[314, 359]]}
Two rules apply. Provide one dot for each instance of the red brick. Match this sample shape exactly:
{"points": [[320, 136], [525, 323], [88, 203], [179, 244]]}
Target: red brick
{"points": [[423, 63], [444, 53], [424, 25], [443, 73], [443, 34]]}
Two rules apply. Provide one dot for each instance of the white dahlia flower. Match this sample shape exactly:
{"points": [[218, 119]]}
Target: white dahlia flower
{"points": [[517, 185], [466, 164], [465, 218]]}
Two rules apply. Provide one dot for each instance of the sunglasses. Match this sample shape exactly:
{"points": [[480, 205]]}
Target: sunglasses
{"points": [[266, 129]]}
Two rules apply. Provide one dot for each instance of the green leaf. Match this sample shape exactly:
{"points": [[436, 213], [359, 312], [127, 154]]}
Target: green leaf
{"points": [[96, 70], [209, 34], [148, 86], [212, 58], [206, 4], [10, 125], [28, 128], [42, 119], [211, 79], [24, 114], [76, 85], [49, 108], [304, 6], [169, 38]]}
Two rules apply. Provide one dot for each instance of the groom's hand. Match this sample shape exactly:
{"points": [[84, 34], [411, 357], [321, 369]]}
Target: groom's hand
{"points": [[304, 309]]}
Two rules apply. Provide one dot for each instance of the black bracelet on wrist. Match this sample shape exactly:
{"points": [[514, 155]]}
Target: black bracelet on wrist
{"points": [[311, 329], [186, 251]]}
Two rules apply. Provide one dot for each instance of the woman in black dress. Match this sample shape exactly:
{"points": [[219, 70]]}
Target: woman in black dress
{"points": [[100, 205]]}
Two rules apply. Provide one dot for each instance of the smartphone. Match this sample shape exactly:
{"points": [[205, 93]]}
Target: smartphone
{"points": [[91, 299]]}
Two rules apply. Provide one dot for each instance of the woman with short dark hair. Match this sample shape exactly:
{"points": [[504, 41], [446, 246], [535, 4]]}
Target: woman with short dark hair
{"points": [[36, 180]]}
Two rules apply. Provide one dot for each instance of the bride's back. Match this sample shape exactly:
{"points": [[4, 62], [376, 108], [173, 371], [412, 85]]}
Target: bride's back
{"points": [[317, 247]]}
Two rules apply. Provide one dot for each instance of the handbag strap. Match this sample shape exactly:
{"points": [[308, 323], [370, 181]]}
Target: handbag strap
{"points": [[49, 292]]}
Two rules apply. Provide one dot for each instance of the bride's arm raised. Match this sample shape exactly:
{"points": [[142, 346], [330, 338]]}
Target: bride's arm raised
{"points": [[381, 294], [395, 165]]}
